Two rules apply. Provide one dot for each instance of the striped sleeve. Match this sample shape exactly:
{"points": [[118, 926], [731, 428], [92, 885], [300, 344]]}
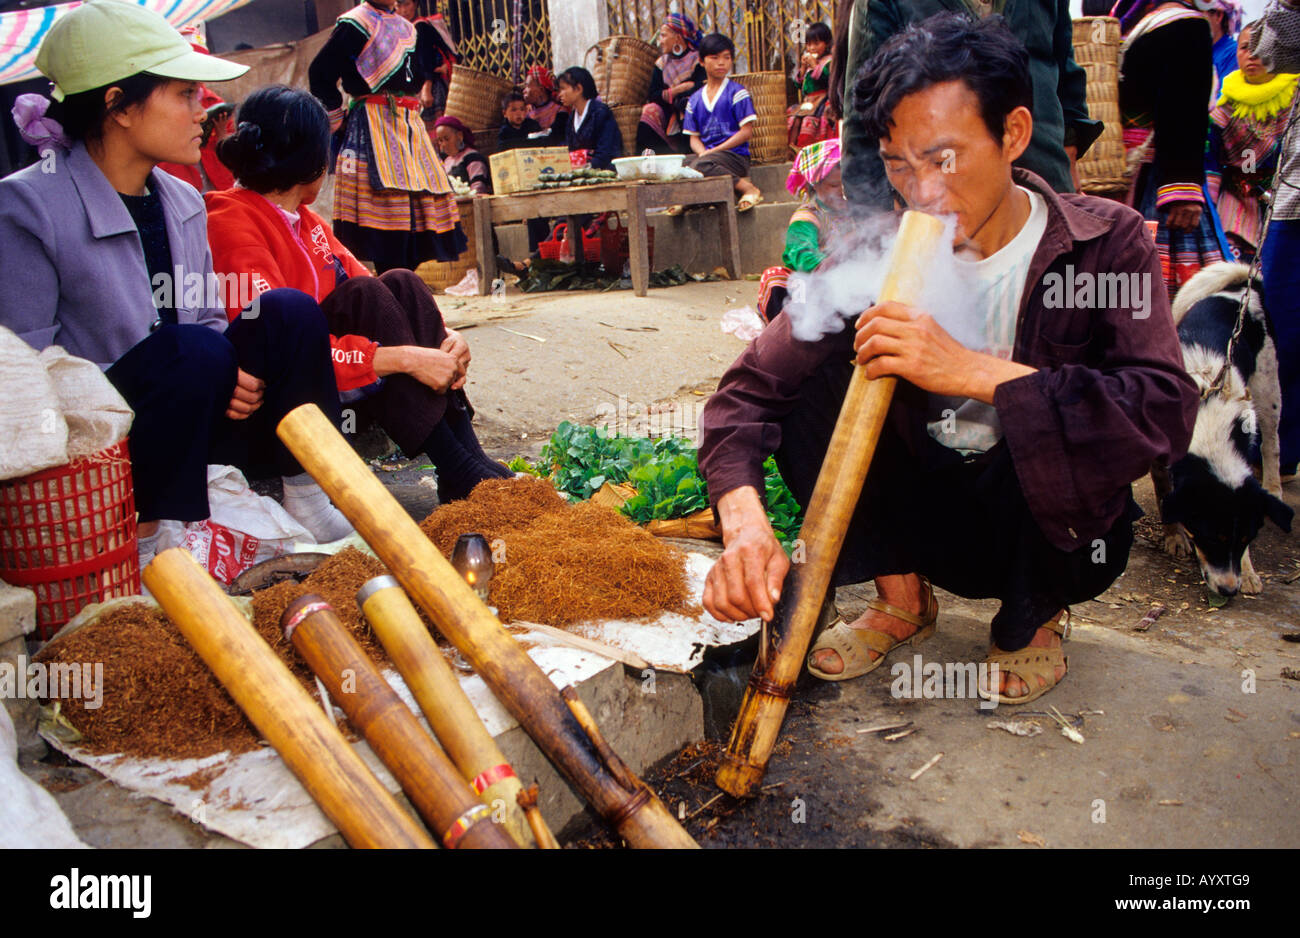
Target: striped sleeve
{"points": [[742, 107], [1178, 192]]}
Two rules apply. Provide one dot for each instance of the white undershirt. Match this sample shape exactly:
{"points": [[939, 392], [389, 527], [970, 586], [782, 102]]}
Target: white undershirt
{"points": [[578, 118], [969, 425]]}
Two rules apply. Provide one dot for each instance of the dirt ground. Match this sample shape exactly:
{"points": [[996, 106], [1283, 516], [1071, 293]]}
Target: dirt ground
{"points": [[1191, 731]]}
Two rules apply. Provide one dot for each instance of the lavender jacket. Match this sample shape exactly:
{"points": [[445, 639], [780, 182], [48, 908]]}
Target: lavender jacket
{"points": [[1110, 396], [72, 269]]}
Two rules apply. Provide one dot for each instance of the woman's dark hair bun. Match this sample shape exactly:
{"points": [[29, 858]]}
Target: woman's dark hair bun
{"points": [[282, 139], [250, 134]]}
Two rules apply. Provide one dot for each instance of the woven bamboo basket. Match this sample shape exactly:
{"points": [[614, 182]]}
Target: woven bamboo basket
{"points": [[622, 66], [1096, 49], [475, 97], [440, 275], [485, 140], [768, 144], [628, 116]]}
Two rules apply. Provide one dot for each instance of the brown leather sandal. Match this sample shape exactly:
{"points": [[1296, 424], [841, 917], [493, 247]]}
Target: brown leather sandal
{"points": [[853, 645], [1029, 664]]}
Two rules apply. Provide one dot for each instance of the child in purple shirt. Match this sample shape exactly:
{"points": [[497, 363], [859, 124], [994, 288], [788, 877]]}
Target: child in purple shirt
{"points": [[719, 121]]}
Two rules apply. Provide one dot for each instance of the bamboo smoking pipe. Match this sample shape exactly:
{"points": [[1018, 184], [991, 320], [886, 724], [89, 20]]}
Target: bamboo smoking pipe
{"points": [[442, 700], [423, 770], [848, 457], [308, 741], [516, 680]]}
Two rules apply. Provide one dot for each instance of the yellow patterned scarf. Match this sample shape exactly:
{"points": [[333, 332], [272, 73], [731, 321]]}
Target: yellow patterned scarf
{"points": [[1261, 102]]}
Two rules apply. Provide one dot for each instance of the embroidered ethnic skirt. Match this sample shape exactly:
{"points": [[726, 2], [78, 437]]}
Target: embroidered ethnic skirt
{"points": [[393, 204]]}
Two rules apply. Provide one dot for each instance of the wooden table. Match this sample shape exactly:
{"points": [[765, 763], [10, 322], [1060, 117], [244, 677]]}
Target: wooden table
{"points": [[631, 197]]}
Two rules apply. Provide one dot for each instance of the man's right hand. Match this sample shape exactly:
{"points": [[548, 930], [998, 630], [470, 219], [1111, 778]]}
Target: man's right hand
{"points": [[746, 580]]}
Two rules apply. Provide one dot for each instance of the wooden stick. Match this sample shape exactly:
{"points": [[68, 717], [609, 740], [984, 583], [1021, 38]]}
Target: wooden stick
{"points": [[833, 501], [309, 742], [639, 816], [527, 799], [442, 700], [423, 770]]}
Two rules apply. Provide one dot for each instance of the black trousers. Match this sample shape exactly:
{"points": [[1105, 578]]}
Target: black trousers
{"points": [[179, 381], [396, 308], [961, 522]]}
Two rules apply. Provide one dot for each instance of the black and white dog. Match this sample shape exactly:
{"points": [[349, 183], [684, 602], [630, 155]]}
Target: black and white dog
{"points": [[1210, 501]]}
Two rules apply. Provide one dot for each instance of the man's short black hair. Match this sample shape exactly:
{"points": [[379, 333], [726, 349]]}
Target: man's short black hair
{"points": [[511, 97], [983, 53], [282, 140], [578, 77], [716, 44]]}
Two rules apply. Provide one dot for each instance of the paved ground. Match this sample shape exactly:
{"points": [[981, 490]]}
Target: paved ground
{"points": [[1181, 754]]}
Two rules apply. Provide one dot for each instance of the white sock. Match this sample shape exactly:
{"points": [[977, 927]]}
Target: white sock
{"points": [[148, 546], [307, 503]]}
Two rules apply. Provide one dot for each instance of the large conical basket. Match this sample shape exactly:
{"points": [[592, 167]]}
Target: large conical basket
{"points": [[628, 116], [622, 66], [475, 97], [767, 89], [1096, 50]]}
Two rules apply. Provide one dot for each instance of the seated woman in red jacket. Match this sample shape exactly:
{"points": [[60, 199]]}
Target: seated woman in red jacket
{"points": [[393, 356]]}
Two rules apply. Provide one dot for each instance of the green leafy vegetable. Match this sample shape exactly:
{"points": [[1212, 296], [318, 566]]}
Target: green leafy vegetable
{"points": [[664, 471]]}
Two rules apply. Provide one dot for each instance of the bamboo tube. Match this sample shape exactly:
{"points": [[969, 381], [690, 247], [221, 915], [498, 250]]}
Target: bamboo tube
{"points": [[308, 741], [442, 700], [639, 816], [834, 498], [423, 770]]}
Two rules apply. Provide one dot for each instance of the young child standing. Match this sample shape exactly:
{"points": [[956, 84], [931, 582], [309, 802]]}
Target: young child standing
{"points": [[516, 125], [808, 121], [719, 121], [1246, 128]]}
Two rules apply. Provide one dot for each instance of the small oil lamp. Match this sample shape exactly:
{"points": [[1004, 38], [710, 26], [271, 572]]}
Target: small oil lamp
{"points": [[472, 558]]}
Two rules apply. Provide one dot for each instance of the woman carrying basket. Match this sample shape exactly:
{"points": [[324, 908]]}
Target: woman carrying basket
{"points": [[393, 204], [677, 75]]}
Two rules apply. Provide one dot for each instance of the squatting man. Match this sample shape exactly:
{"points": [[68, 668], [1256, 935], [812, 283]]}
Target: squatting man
{"points": [[1002, 472]]}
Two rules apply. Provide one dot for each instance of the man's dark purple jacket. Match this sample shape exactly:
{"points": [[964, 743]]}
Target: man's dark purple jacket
{"points": [[1110, 396]]}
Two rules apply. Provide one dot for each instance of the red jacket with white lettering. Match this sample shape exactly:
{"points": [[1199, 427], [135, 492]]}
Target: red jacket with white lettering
{"points": [[251, 236]]}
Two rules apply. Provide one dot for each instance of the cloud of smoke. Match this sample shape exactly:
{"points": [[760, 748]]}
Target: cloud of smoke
{"points": [[849, 281]]}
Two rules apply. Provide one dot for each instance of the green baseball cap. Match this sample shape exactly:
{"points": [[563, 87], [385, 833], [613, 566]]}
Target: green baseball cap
{"points": [[104, 41]]}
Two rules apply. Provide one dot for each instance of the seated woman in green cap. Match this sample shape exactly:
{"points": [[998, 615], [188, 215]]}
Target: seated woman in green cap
{"points": [[108, 257]]}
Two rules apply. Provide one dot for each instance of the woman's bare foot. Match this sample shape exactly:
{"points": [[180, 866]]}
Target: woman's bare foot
{"points": [[1009, 685], [902, 590]]}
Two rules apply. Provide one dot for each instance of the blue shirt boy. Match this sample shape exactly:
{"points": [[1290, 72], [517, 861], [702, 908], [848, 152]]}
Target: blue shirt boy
{"points": [[716, 120]]}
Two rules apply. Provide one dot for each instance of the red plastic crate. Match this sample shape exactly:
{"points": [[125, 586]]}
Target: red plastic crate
{"points": [[69, 534]]}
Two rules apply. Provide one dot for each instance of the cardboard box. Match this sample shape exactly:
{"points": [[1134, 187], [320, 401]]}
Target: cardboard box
{"points": [[517, 170]]}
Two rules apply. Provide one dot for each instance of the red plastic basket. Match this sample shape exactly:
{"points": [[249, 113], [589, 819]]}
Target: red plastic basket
{"points": [[553, 247], [604, 241], [68, 533]]}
